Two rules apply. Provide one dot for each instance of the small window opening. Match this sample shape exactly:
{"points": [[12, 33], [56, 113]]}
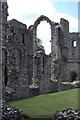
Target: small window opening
{"points": [[6, 76], [5, 70], [73, 76], [43, 64], [23, 38], [74, 43]]}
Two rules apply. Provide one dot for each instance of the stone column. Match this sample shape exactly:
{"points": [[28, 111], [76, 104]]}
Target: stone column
{"points": [[34, 77], [0, 56], [56, 55], [35, 69], [3, 37], [53, 54]]}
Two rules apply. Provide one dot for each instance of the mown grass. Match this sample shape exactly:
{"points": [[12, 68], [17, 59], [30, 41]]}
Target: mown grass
{"points": [[43, 106]]}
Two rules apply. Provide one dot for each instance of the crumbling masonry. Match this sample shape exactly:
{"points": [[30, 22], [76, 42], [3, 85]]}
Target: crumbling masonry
{"points": [[27, 72]]}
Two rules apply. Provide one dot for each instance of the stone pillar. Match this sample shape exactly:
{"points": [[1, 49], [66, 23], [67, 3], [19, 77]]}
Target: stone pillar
{"points": [[35, 60], [36, 68], [3, 38], [65, 28], [53, 41], [53, 53], [0, 56], [56, 55]]}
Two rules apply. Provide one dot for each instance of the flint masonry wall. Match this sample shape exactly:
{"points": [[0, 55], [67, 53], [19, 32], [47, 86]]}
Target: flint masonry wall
{"points": [[3, 39], [73, 56], [23, 66], [46, 85], [42, 71], [19, 60]]}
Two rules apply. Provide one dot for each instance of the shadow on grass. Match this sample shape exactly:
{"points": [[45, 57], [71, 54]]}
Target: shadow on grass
{"points": [[40, 118]]}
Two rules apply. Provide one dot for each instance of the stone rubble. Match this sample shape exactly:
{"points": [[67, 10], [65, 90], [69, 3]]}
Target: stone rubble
{"points": [[9, 113], [68, 114]]}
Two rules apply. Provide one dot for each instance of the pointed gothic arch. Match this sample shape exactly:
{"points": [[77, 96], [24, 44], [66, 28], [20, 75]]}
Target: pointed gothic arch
{"points": [[41, 18], [37, 22]]}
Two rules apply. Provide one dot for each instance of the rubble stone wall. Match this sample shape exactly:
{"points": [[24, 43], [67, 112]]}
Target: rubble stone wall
{"points": [[27, 72]]}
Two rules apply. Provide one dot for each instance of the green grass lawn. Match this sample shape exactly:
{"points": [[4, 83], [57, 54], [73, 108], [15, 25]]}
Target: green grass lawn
{"points": [[43, 106]]}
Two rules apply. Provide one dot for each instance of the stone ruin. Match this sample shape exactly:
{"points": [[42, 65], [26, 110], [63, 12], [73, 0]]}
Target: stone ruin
{"points": [[26, 72]]}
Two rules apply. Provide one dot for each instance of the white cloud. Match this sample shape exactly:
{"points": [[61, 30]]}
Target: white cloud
{"points": [[17, 8], [27, 11], [73, 22]]}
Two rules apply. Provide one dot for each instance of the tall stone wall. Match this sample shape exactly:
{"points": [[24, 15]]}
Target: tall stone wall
{"points": [[47, 85], [19, 60], [35, 72], [41, 81], [73, 54], [3, 40], [25, 69]]}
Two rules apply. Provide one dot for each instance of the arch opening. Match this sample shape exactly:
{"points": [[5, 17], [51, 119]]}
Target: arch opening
{"points": [[49, 25], [73, 76], [44, 34], [74, 43]]}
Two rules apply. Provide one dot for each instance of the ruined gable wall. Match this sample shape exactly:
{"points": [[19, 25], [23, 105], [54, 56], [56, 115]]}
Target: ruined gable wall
{"points": [[73, 55], [18, 56], [21, 58], [23, 51]]}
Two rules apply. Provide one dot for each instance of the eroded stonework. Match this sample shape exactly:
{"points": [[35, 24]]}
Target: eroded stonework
{"points": [[27, 72]]}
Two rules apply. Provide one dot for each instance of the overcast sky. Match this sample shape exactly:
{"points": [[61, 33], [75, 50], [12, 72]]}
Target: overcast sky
{"points": [[27, 11]]}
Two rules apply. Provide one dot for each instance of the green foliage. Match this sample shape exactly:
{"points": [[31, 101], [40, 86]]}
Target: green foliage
{"points": [[45, 105], [39, 46]]}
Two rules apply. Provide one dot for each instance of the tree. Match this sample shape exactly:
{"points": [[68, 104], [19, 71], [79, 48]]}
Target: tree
{"points": [[39, 46]]}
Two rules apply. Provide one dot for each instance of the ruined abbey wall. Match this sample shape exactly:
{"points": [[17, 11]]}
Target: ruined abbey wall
{"points": [[27, 72]]}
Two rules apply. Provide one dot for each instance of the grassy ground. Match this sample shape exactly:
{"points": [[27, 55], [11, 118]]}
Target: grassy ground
{"points": [[43, 106]]}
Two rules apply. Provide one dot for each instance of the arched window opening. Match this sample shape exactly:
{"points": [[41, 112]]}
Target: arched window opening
{"points": [[23, 38], [73, 76], [6, 77], [74, 43], [44, 34], [5, 70]]}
